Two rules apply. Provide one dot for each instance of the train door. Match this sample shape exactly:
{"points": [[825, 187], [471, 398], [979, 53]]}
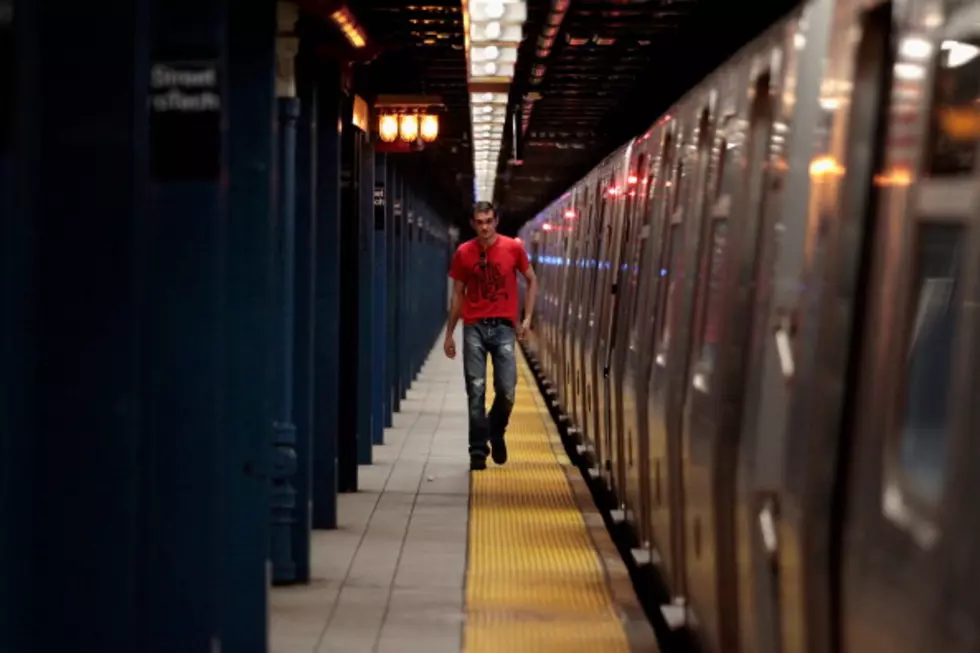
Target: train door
{"points": [[563, 312], [908, 559], [719, 276], [623, 384], [538, 320], [570, 306], [647, 329], [603, 231], [616, 202], [619, 298], [638, 357], [666, 514], [580, 224], [549, 285], [583, 222], [802, 342]]}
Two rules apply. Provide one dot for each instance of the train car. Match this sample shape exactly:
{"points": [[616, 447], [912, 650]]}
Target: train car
{"points": [[763, 324]]}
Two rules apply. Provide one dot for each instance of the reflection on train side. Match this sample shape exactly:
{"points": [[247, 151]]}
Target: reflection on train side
{"points": [[759, 318]]}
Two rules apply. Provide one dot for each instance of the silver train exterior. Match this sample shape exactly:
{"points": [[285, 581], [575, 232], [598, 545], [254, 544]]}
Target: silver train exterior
{"points": [[760, 319]]}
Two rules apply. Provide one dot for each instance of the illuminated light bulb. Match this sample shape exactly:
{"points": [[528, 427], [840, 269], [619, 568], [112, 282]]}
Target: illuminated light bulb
{"points": [[388, 128], [490, 69], [494, 10], [409, 128], [493, 30], [429, 128], [491, 52]]}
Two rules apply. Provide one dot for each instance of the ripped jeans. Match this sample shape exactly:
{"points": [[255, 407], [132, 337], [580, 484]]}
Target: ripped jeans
{"points": [[498, 340]]}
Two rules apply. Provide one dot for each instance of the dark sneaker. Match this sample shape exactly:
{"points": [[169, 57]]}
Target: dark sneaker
{"points": [[498, 449], [477, 463]]}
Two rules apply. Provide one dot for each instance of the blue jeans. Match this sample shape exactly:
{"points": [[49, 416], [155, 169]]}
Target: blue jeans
{"points": [[497, 340]]}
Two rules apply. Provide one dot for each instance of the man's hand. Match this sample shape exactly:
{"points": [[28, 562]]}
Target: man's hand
{"points": [[524, 329], [449, 347]]}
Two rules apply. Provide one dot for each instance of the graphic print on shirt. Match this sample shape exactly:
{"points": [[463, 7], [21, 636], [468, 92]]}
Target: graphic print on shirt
{"points": [[489, 282]]}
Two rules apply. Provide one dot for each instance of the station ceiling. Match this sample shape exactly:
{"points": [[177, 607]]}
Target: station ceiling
{"points": [[590, 76]]}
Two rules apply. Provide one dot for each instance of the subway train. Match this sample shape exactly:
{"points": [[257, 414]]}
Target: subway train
{"points": [[757, 319]]}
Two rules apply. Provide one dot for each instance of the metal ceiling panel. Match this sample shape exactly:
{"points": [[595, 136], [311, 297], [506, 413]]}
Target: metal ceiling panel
{"points": [[590, 74]]}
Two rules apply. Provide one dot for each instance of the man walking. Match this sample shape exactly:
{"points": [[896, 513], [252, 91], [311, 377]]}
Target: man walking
{"points": [[484, 273]]}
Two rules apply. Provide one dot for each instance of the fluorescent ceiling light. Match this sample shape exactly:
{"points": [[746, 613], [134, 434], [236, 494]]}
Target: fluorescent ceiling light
{"points": [[494, 30]]}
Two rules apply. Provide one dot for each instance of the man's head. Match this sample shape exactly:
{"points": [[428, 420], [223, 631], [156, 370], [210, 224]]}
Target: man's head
{"points": [[484, 221]]}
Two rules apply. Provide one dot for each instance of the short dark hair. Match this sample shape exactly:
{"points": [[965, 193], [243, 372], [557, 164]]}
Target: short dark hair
{"points": [[485, 207]]}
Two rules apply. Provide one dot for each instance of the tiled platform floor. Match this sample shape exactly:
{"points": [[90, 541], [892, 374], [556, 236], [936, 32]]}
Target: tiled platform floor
{"points": [[392, 578]]}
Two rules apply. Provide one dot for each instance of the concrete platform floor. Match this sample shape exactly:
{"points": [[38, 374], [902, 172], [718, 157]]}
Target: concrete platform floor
{"points": [[391, 578]]}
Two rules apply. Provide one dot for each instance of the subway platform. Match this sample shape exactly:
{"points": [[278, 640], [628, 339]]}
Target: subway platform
{"points": [[429, 559]]}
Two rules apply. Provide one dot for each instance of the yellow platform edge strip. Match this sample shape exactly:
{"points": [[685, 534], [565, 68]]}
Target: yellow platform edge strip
{"points": [[534, 580]]}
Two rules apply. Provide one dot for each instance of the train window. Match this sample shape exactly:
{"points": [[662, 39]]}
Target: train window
{"points": [[712, 308], [675, 200], [924, 429], [722, 168], [955, 127], [672, 275]]}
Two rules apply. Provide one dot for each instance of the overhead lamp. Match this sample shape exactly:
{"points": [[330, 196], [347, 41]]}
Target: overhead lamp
{"points": [[489, 98], [349, 27], [388, 128], [429, 128], [408, 127], [495, 31], [494, 9]]}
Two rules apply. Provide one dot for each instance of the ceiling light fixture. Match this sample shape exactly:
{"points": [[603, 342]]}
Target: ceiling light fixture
{"points": [[494, 29]]}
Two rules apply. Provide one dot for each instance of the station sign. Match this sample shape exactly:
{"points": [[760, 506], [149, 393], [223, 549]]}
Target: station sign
{"points": [[7, 85], [185, 120]]}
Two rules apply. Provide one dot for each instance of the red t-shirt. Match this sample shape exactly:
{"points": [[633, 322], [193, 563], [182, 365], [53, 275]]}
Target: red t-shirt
{"points": [[490, 286]]}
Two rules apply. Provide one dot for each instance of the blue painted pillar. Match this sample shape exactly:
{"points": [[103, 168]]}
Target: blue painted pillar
{"points": [[391, 350], [14, 280], [379, 325], [184, 333], [249, 336], [327, 344], [77, 219], [432, 285], [408, 289], [397, 279], [422, 337], [365, 299], [350, 286], [284, 432], [304, 325]]}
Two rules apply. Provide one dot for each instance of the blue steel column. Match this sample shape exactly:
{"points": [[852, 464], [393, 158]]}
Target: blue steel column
{"points": [[407, 288], [397, 278], [365, 301], [305, 289], [326, 376], [284, 432], [391, 255], [185, 321], [432, 287], [14, 284], [249, 334], [379, 326], [422, 344], [350, 284], [81, 191]]}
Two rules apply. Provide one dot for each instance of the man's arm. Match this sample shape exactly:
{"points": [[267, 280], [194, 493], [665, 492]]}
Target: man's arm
{"points": [[529, 296], [455, 307]]}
